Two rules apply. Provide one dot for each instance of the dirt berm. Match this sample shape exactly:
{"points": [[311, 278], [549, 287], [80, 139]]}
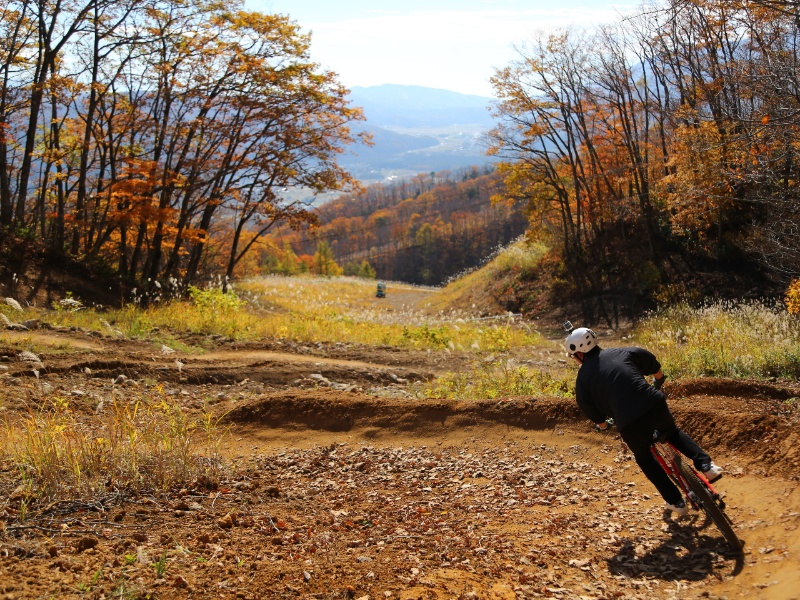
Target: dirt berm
{"points": [[756, 421]]}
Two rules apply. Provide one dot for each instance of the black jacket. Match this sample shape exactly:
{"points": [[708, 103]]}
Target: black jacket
{"points": [[611, 383]]}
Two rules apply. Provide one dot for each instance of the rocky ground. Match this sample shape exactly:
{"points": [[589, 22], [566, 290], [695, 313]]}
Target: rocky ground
{"points": [[339, 484]]}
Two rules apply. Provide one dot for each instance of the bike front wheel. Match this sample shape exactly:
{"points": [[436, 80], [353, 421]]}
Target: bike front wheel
{"points": [[712, 504]]}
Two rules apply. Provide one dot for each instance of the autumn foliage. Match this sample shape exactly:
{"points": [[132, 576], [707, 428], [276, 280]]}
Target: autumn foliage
{"points": [[792, 299], [157, 137], [419, 230], [653, 146]]}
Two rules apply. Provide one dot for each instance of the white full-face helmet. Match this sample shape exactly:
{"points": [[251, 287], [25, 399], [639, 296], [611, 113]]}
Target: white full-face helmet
{"points": [[581, 339]]}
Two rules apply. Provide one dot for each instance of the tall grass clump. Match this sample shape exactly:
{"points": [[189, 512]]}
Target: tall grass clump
{"points": [[218, 311], [207, 312], [724, 339], [500, 379], [521, 257], [135, 445]]}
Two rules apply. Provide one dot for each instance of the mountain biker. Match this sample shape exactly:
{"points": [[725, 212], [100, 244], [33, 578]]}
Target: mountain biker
{"points": [[611, 384]]}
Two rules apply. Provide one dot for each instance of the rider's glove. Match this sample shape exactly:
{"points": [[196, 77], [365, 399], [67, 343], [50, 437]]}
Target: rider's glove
{"points": [[657, 383]]}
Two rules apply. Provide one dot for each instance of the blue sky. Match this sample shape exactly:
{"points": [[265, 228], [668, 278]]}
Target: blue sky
{"points": [[447, 44]]}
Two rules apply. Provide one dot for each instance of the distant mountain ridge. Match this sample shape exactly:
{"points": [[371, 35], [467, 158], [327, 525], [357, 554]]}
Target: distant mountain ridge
{"points": [[417, 129], [392, 105]]}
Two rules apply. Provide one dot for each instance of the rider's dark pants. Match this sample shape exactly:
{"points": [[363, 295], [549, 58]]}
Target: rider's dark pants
{"points": [[639, 437]]}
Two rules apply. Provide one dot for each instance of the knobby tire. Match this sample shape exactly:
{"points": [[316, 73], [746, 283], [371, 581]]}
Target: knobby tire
{"points": [[709, 504]]}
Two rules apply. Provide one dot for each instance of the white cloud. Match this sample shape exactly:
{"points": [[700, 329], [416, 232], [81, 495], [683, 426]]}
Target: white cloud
{"points": [[449, 49]]}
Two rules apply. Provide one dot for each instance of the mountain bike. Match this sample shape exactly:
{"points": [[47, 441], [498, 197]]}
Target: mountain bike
{"points": [[695, 487]]}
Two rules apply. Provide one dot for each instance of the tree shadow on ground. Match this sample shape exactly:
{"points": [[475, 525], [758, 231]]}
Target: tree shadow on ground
{"points": [[694, 551]]}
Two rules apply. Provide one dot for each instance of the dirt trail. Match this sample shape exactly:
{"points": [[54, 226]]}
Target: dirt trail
{"points": [[54, 340], [246, 358], [606, 514], [342, 486]]}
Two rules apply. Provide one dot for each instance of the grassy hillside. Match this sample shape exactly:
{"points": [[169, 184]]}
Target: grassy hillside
{"points": [[488, 289], [726, 339], [693, 338]]}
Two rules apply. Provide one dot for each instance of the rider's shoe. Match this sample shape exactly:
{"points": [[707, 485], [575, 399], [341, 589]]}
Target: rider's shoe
{"points": [[711, 472], [680, 509]]}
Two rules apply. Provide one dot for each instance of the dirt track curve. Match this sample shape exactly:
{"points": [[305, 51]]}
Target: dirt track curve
{"points": [[341, 485]]}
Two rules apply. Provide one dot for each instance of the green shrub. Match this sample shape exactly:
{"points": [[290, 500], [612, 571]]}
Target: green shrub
{"points": [[426, 336], [214, 300]]}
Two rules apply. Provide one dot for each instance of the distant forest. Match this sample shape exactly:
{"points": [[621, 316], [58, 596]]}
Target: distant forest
{"points": [[421, 230]]}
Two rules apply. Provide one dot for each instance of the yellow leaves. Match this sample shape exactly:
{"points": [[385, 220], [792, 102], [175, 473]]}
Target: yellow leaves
{"points": [[60, 403], [214, 106], [792, 298]]}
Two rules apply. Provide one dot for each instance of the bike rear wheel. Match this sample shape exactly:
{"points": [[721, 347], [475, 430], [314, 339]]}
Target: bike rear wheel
{"points": [[713, 506]]}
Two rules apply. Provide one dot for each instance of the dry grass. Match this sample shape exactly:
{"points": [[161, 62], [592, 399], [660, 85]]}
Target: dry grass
{"points": [[304, 310], [473, 289], [345, 310], [500, 379], [752, 339], [134, 444], [147, 442]]}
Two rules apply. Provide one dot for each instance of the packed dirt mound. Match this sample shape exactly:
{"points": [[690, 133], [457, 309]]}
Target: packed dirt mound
{"points": [[339, 412], [756, 421], [343, 387]]}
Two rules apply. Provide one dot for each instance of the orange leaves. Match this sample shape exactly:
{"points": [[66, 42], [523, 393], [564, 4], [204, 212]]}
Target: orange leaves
{"points": [[416, 214], [699, 189], [185, 149], [135, 193], [660, 125]]}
